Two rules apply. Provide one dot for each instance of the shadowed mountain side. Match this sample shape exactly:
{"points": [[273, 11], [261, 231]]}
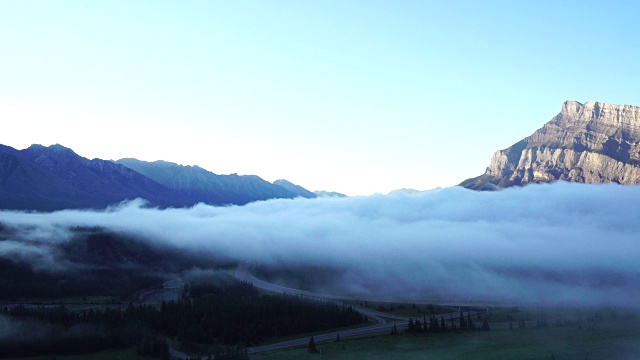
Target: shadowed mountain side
{"points": [[295, 189], [55, 177], [587, 143], [196, 182]]}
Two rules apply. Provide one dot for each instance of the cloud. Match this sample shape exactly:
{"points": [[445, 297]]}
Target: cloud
{"points": [[555, 243]]}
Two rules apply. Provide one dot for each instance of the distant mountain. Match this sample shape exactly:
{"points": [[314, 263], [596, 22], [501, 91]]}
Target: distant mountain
{"points": [[405, 191], [297, 190], [329, 194], [55, 177], [588, 143], [196, 182]]}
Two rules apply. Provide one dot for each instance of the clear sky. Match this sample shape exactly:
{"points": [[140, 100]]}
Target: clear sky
{"points": [[350, 96]]}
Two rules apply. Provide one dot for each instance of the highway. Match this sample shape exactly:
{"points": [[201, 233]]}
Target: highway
{"points": [[385, 321]]}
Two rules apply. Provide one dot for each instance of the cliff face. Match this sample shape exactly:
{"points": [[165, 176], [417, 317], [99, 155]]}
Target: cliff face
{"points": [[589, 143]]}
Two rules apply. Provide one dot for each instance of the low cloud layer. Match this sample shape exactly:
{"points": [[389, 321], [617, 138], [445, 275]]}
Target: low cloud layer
{"points": [[551, 244]]}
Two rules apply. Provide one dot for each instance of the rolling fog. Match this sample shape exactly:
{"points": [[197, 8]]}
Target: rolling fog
{"points": [[558, 244]]}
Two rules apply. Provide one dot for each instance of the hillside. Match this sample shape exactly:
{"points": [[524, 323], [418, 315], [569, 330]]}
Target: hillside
{"points": [[196, 182], [55, 177]]}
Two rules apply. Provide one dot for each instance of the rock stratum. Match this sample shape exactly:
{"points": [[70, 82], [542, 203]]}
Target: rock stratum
{"points": [[589, 143]]}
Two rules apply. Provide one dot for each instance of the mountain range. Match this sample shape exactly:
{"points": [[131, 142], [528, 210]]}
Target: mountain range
{"points": [[592, 142], [55, 177], [194, 182], [588, 143]]}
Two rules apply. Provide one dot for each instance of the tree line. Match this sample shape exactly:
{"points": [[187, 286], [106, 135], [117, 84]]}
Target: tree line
{"points": [[237, 316], [435, 324]]}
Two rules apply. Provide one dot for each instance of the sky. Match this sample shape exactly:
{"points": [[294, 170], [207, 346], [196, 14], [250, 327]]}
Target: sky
{"points": [[549, 244], [358, 97]]}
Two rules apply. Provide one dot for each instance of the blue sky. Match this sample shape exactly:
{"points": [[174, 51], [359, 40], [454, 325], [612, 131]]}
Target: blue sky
{"points": [[351, 96]]}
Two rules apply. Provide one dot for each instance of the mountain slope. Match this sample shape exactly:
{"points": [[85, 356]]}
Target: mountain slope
{"points": [[295, 189], [206, 186], [25, 186], [589, 143], [55, 177], [329, 194]]}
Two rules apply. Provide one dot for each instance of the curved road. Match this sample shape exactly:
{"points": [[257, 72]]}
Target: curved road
{"points": [[401, 323]]}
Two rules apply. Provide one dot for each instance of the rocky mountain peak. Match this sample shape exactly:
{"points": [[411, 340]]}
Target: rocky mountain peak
{"points": [[571, 107], [592, 142]]}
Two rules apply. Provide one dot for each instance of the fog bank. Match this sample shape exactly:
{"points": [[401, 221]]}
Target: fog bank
{"points": [[554, 244]]}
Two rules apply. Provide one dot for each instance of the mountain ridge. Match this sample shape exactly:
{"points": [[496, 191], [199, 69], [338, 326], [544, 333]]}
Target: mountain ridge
{"points": [[206, 185], [55, 177], [297, 190], [49, 178]]}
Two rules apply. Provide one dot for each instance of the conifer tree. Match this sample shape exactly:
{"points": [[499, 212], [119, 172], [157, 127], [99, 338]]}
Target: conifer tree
{"points": [[312, 346]]}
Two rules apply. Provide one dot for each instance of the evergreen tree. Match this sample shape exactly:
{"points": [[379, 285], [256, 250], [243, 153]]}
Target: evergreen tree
{"points": [[463, 325], [312, 346], [411, 326]]}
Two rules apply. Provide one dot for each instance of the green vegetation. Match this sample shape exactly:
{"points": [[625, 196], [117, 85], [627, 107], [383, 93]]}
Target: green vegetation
{"points": [[120, 354], [94, 265], [276, 340], [247, 318], [19, 283], [477, 183], [403, 309], [594, 339], [74, 300], [224, 318]]}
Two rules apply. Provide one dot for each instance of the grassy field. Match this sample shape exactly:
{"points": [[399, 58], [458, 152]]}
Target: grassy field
{"points": [[516, 314], [123, 354], [606, 339], [403, 309]]}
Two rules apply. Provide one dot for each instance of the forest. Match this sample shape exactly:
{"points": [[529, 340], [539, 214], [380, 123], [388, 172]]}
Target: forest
{"points": [[231, 316]]}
